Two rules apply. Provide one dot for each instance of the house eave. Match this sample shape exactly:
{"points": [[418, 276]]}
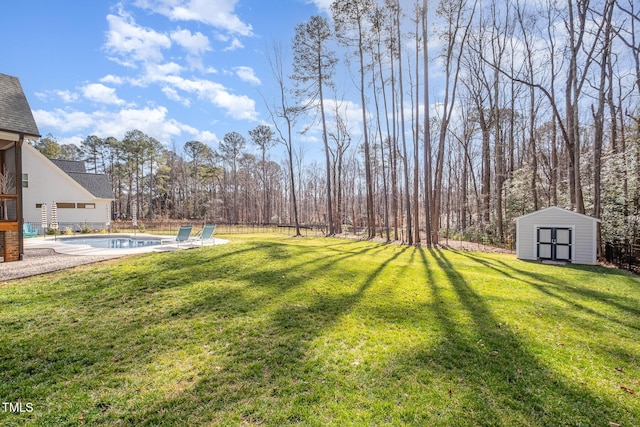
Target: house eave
{"points": [[10, 135]]}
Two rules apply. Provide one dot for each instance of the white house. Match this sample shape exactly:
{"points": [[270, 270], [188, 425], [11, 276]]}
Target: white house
{"points": [[557, 234], [82, 199]]}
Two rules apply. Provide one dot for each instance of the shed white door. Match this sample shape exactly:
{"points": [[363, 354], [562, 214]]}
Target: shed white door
{"points": [[554, 243]]}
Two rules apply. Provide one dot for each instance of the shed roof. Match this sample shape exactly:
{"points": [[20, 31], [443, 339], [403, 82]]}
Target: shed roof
{"points": [[15, 113], [556, 208]]}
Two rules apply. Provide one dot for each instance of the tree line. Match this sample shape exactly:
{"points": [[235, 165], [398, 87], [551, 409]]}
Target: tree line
{"points": [[534, 104]]}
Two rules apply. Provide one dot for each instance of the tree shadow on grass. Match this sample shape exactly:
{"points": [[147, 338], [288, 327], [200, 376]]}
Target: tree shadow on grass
{"points": [[239, 347], [554, 286], [274, 356], [238, 339], [486, 372]]}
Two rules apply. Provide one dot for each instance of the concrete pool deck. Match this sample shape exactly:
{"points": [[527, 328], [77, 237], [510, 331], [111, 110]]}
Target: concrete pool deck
{"points": [[58, 245], [45, 255]]}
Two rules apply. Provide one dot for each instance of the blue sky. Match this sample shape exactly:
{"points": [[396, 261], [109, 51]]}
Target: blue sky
{"points": [[177, 70]]}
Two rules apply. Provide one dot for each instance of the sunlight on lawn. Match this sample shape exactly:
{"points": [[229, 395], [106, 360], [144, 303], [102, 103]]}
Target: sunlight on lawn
{"points": [[281, 331]]}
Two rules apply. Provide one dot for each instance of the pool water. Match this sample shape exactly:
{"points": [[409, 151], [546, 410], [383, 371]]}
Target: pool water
{"points": [[112, 242]]}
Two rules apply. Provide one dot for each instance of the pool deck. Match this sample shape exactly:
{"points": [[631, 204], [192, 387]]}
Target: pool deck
{"points": [[58, 245]]}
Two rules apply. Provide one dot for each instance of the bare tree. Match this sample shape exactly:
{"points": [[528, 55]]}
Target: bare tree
{"points": [[230, 149], [263, 137], [282, 110], [352, 15], [426, 125], [313, 66], [456, 33]]}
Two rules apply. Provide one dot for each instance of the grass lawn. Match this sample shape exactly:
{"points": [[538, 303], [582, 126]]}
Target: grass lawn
{"points": [[274, 330]]}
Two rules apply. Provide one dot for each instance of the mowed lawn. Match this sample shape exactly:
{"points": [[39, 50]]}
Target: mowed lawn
{"points": [[274, 330]]}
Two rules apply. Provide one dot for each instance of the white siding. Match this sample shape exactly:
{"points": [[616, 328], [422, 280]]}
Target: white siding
{"points": [[47, 183], [583, 235]]}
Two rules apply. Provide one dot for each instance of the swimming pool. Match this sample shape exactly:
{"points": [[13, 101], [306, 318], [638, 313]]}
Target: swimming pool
{"points": [[112, 242]]}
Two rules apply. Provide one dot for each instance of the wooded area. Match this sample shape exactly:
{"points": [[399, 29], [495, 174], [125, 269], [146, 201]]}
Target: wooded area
{"points": [[531, 104]]}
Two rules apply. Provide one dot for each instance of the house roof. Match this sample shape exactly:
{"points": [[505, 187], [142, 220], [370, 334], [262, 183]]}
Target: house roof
{"points": [[70, 165], [96, 184], [15, 113], [556, 208]]}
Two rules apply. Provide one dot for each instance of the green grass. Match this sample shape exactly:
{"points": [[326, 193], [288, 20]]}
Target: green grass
{"points": [[272, 330]]}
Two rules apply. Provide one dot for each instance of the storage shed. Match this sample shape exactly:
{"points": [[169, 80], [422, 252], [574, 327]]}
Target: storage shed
{"points": [[557, 234]]}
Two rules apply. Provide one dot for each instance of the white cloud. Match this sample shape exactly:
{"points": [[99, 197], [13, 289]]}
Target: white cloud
{"points": [[131, 43], [207, 137], [235, 44], [239, 107], [248, 75], [195, 44], [173, 95], [322, 5], [98, 92], [218, 13], [152, 121], [67, 96], [111, 79], [74, 139], [350, 112], [158, 73], [63, 120]]}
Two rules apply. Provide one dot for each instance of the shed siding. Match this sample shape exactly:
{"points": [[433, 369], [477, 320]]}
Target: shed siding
{"points": [[584, 233]]}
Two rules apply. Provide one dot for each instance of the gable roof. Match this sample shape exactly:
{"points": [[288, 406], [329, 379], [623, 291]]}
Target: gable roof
{"points": [[556, 208], [15, 113], [96, 184], [70, 165]]}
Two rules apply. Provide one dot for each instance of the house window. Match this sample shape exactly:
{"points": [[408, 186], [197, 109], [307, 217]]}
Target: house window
{"points": [[86, 205], [66, 205], [38, 205], [25, 180]]}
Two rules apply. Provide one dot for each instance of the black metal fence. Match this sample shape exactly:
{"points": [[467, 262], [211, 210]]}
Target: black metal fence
{"points": [[624, 255]]}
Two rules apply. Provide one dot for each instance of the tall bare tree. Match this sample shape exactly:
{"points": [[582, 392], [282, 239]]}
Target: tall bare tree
{"points": [[263, 137], [313, 65], [352, 17], [283, 110]]}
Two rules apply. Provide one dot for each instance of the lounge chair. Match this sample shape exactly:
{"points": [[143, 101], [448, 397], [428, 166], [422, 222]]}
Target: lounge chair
{"points": [[183, 236], [27, 231], [206, 234]]}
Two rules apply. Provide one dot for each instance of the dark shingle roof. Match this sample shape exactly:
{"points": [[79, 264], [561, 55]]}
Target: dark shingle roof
{"points": [[15, 113], [96, 184], [70, 165]]}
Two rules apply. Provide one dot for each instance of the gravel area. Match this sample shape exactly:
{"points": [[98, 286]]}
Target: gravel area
{"points": [[39, 261]]}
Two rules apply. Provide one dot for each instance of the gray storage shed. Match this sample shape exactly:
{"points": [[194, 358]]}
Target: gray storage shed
{"points": [[557, 234]]}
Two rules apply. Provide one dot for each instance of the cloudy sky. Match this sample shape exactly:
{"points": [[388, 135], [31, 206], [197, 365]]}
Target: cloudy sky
{"points": [[177, 70]]}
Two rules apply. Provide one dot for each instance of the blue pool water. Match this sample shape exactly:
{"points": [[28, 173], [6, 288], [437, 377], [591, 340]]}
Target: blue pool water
{"points": [[112, 242]]}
